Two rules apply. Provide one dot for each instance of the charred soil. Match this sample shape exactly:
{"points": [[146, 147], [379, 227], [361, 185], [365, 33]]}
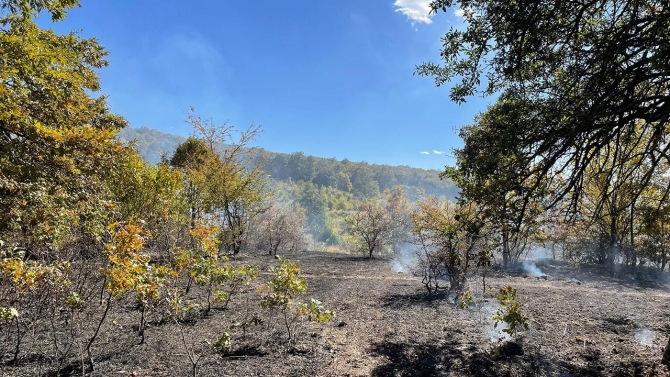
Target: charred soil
{"points": [[583, 322]]}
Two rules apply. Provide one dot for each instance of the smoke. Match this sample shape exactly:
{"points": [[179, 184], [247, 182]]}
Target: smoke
{"points": [[531, 269], [483, 312], [398, 266], [495, 333], [404, 260], [538, 253], [645, 337]]}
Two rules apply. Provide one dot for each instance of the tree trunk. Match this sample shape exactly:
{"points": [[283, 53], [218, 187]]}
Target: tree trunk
{"points": [[633, 260], [664, 255], [666, 355], [664, 258], [553, 251], [612, 243], [505, 234], [505, 252]]}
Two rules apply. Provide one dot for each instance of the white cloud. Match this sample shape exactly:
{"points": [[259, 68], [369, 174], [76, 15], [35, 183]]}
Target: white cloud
{"points": [[424, 152], [415, 10], [438, 152], [461, 13]]}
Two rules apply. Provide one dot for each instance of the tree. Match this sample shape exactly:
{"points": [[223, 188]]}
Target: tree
{"points": [[371, 227], [154, 194], [489, 172], [656, 228], [190, 158], [281, 293], [310, 199], [129, 270], [452, 239], [580, 76], [610, 209], [363, 181], [397, 209], [221, 184], [280, 227], [655, 223], [342, 182], [608, 204], [56, 138]]}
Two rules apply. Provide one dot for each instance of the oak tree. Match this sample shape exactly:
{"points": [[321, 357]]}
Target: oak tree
{"points": [[57, 143], [580, 76]]}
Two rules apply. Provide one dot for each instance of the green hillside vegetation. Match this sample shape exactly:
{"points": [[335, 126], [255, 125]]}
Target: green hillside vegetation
{"points": [[328, 189], [151, 144], [361, 179]]}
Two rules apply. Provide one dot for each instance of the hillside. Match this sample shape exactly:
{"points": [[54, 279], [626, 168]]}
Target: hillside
{"points": [[151, 143], [361, 179]]}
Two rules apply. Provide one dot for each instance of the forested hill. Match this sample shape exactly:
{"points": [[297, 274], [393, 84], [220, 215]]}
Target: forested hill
{"points": [[151, 143], [359, 178]]}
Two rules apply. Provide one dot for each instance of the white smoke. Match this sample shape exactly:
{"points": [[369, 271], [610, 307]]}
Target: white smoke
{"points": [[495, 333], [538, 253], [531, 269], [398, 266], [405, 259], [645, 337]]}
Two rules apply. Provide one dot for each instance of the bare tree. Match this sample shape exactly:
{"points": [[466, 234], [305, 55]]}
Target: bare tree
{"points": [[279, 228]]}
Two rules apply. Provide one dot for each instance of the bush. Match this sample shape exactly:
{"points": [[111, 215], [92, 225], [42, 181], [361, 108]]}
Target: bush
{"points": [[509, 313], [280, 292], [452, 239]]}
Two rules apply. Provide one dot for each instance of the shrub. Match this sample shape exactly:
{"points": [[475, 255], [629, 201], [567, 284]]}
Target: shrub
{"points": [[280, 294], [509, 312], [452, 239]]}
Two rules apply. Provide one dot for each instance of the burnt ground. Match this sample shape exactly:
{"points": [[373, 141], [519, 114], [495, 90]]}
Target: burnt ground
{"points": [[583, 322]]}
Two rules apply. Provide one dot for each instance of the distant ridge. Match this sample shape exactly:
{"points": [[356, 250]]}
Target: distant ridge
{"points": [[359, 178], [151, 144]]}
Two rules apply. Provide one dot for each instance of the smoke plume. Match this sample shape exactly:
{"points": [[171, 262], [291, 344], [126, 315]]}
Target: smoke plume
{"points": [[531, 269]]}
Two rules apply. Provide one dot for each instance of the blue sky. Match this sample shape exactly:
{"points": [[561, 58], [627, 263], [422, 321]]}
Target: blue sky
{"points": [[328, 78]]}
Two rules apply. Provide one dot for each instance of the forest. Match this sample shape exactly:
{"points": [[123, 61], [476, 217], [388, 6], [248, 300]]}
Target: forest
{"points": [[361, 179], [327, 190], [543, 251]]}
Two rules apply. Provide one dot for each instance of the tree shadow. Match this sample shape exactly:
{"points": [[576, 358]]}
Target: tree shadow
{"points": [[412, 359], [450, 356], [247, 350], [639, 278], [417, 299], [72, 369], [619, 325], [429, 359], [592, 365], [338, 257]]}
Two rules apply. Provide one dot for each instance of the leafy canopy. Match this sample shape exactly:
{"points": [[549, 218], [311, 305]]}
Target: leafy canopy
{"points": [[574, 77], [57, 142]]}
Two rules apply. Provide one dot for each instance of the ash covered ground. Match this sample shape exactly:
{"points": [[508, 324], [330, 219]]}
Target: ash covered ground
{"points": [[583, 322]]}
